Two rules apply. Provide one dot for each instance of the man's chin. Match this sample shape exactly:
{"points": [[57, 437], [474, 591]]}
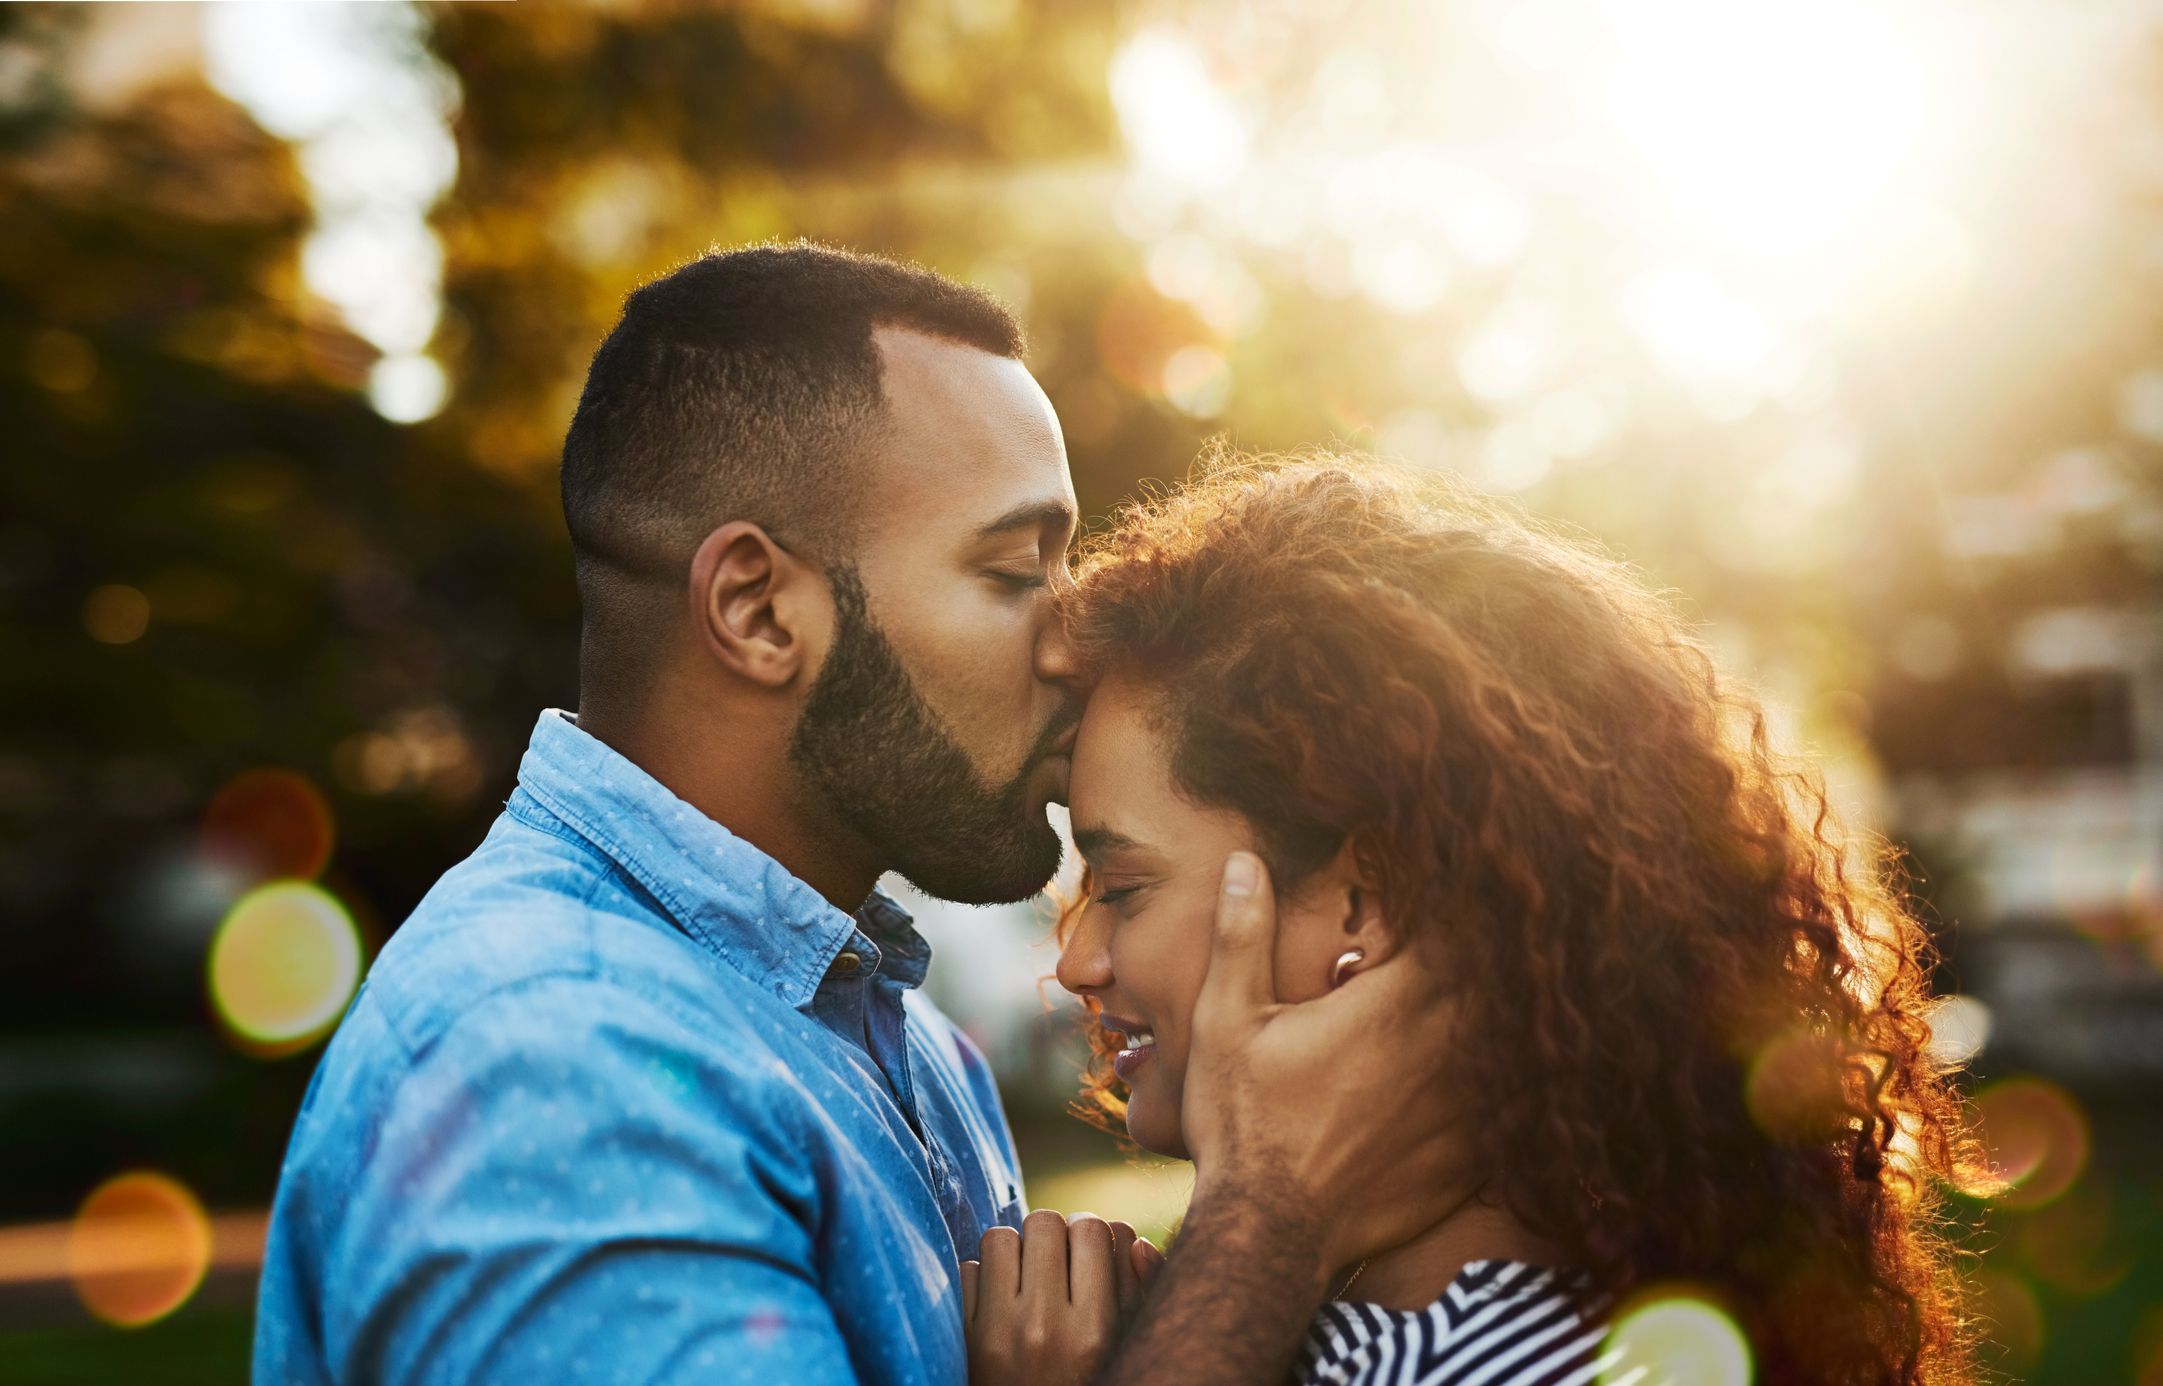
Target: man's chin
{"points": [[974, 882]]}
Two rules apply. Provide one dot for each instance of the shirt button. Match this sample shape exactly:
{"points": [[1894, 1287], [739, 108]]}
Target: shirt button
{"points": [[847, 963]]}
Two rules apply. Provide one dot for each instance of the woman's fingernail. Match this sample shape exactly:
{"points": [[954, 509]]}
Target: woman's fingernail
{"points": [[1239, 874]]}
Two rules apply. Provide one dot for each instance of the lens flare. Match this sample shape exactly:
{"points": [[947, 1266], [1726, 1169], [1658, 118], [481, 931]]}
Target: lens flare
{"points": [[1782, 169], [2036, 1139], [138, 1248], [284, 964], [2148, 1348], [273, 822], [1682, 1339], [2013, 1317], [1715, 342], [2069, 1244], [1793, 1089], [1197, 381]]}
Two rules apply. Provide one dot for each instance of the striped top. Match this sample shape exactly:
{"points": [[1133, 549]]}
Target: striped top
{"points": [[1499, 1323]]}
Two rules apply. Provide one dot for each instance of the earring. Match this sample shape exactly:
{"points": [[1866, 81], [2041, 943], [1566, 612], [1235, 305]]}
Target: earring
{"points": [[1345, 962]]}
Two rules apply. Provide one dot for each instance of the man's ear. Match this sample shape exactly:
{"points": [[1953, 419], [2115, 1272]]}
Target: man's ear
{"points": [[758, 610]]}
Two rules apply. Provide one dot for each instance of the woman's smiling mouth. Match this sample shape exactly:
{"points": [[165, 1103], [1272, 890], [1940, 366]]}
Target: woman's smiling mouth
{"points": [[1141, 1042]]}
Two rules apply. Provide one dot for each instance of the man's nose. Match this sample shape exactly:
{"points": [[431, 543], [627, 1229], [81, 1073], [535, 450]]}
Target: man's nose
{"points": [[1058, 661]]}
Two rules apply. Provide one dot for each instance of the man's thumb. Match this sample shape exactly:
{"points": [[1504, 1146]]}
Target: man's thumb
{"points": [[1242, 955]]}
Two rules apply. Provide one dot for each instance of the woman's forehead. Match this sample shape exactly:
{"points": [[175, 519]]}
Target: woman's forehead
{"points": [[1121, 793], [1117, 747]]}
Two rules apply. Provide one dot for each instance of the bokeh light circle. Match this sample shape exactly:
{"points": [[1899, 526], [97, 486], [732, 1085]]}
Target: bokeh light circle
{"points": [[272, 822], [2013, 1319], [138, 1248], [2070, 1245], [1960, 1027], [284, 963], [1681, 1338], [116, 614], [1794, 1089], [1197, 381], [2036, 1138]]}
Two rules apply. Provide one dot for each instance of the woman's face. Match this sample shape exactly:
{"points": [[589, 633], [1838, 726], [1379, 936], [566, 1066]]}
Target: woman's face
{"points": [[1142, 943]]}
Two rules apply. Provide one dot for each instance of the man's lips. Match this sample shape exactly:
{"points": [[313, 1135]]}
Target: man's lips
{"points": [[1057, 737], [1060, 755]]}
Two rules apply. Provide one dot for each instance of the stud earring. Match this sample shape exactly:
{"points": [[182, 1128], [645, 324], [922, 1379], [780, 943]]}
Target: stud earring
{"points": [[1345, 962]]}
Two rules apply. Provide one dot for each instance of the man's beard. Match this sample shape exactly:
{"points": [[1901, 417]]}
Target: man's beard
{"points": [[872, 748]]}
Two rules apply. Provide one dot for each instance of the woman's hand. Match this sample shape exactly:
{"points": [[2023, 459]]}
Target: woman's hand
{"points": [[1042, 1306]]}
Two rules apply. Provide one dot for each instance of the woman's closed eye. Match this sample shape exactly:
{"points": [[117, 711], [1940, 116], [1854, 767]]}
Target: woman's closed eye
{"points": [[1112, 895]]}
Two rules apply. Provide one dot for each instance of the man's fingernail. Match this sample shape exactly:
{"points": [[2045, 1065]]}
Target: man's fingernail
{"points": [[1239, 874]]}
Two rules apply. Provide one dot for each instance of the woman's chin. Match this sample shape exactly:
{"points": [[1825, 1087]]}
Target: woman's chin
{"points": [[1158, 1137]]}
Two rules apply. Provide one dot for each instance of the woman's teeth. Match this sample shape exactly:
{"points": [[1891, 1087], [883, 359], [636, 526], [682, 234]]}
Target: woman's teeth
{"points": [[1139, 1046]]}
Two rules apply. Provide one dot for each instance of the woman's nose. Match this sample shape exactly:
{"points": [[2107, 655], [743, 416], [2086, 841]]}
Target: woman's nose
{"points": [[1085, 964]]}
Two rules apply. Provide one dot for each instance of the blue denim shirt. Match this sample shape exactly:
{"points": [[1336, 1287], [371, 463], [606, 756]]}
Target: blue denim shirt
{"points": [[625, 1101]]}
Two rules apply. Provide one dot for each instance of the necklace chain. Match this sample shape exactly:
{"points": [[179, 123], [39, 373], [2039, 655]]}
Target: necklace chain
{"points": [[1346, 1287]]}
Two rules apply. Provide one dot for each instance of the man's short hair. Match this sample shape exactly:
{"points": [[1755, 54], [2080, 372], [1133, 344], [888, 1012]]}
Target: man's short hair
{"points": [[744, 386]]}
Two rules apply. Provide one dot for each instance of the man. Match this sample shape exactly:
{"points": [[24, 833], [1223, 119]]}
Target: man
{"points": [[644, 1090]]}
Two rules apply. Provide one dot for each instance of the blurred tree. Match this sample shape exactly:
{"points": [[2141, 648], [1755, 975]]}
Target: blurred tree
{"points": [[600, 148], [213, 557]]}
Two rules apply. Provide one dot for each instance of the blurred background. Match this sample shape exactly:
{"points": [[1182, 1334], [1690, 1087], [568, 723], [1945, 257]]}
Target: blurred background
{"points": [[1839, 318]]}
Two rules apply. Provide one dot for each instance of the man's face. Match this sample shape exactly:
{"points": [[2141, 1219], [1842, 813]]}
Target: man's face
{"points": [[939, 724]]}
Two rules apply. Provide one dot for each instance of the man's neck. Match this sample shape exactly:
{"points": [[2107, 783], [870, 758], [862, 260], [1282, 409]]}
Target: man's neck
{"points": [[737, 775], [1414, 1274]]}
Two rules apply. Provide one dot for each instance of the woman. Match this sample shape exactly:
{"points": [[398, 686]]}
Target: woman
{"points": [[1691, 1027]]}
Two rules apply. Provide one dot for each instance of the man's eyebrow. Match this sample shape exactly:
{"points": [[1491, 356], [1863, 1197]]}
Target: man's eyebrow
{"points": [[1030, 515], [1092, 840]]}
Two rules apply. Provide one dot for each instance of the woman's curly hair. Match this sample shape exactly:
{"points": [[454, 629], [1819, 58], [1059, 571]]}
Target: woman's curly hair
{"points": [[1695, 1011]]}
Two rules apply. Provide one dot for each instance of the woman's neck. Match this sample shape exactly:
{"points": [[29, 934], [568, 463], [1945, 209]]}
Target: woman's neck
{"points": [[1413, 1274]]}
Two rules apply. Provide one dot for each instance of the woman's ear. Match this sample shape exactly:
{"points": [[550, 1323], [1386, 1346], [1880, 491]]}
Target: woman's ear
{"points": [[1365, 922], [759, 611]]}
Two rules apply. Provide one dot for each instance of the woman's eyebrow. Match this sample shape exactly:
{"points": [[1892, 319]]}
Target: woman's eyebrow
{"points": [[1097, 839]]}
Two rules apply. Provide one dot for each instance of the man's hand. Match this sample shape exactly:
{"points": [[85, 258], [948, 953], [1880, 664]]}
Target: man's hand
{"points": [[1330, 1115], [1043, 1305], [1321, 1133]]}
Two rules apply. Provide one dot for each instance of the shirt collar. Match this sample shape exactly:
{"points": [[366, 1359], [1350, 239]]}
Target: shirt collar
{"points": [[725, 893]]}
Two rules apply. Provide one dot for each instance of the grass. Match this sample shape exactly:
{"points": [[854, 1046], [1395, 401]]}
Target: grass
{"points": [[200, 1345]]}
